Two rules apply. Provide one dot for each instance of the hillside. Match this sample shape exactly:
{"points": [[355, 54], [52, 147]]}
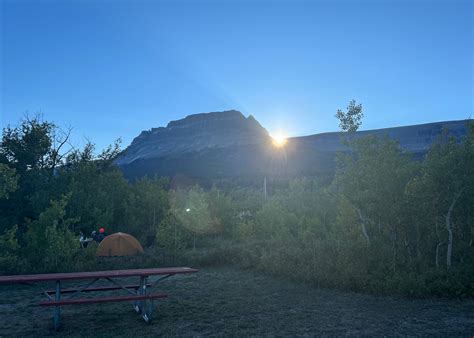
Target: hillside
{"points": [[227, 144]]}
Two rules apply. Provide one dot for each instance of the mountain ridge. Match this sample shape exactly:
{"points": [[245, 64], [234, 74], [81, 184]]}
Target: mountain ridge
{"points": [[221, 144], [194, 133]]}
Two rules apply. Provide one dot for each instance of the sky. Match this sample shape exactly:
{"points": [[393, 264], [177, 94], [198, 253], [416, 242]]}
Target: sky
{"points": [[111, 69]]}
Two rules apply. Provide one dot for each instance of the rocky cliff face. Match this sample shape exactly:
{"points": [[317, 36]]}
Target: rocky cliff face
{"points": [[227, 144], [195, 133]]}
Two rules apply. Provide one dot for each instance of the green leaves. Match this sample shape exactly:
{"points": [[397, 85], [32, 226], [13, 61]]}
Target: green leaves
{"points": [[8, 180], [351, 120], [50, 242], [10, 251], [384, 217], [28, 145]]}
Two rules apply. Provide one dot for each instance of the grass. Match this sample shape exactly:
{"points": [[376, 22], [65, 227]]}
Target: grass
{"points": [[229, 301]]}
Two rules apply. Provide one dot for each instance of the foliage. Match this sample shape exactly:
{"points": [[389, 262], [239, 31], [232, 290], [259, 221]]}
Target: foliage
{"points": [[51, 236], [8, 180], [386, 223], [171, 236], [10, 251], [28, 145], [351, 120], [146, 207]]}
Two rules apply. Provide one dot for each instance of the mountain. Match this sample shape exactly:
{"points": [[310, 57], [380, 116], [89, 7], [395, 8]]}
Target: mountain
{"points": [[414, 139], [193, 134], [228, 144]]}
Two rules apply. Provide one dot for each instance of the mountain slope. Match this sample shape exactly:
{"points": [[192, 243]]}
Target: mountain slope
{"points": [[227, 144], [195, 133]]}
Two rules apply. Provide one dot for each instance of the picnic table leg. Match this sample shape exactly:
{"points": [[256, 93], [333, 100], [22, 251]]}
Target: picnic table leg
{"points": [[139, 304], [146, 305], [57, 309]]}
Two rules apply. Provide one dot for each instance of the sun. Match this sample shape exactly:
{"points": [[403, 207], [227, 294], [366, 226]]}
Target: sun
{"points": [[279, 140]]}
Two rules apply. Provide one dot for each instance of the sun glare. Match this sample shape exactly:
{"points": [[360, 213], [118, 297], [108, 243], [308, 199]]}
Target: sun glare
{"points": [[279, 140]]}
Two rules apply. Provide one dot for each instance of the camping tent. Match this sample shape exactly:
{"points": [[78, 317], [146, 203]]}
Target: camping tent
{"points": [[119, 244]]}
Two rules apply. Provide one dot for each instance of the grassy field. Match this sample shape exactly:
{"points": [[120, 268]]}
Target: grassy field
{"points": [[227, 301]]}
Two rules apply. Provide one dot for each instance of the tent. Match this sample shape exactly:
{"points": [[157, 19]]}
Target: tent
{"points": [[119, 244]]}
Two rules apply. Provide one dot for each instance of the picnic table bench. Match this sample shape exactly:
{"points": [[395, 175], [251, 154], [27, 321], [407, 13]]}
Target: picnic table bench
{"points": [[139, 293]]}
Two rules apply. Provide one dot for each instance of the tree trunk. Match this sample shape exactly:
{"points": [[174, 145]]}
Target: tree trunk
{"points": [[265, 188], [449, 228], [364, 230]]}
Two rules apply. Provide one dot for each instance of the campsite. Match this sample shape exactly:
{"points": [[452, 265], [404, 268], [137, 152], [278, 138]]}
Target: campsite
{"points": [[236, 168]]}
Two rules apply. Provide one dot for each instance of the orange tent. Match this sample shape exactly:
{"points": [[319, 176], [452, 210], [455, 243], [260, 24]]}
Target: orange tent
{"points": [[119, 244]]}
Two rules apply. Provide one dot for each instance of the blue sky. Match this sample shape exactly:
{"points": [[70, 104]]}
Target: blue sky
{"points": [[114, 68]]}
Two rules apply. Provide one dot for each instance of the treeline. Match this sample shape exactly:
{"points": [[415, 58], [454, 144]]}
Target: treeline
{"points": [[50, 191], [385, 223]]}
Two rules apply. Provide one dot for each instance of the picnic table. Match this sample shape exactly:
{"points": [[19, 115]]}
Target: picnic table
{"points": [[138, 293]]}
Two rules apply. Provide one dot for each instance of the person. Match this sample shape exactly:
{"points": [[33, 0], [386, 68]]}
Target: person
{"points": [[98, 236], [83, 240], [95, 237], [101, 234]]}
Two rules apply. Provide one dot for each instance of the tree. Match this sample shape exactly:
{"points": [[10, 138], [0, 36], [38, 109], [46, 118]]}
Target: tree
{"points": [[447, 181], [8, 180], [28, 145], [51, 236], [373, 178], [351, 120], [99, 192], [146, 207], [34, 144], [33, 150]]}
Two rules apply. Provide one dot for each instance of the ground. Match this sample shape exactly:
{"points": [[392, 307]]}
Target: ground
{"points": [[229, 301]]}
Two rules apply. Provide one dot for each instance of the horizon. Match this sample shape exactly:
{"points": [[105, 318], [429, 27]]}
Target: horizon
{"points": [[305, 135], [114, 70]]}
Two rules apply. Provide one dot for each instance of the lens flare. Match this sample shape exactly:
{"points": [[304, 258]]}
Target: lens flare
{"points": [[279, 140]]}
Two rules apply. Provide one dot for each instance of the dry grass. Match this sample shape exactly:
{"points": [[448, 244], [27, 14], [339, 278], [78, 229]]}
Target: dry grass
{"points": [[226, 301]]}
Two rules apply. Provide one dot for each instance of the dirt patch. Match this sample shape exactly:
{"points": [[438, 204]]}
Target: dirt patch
{"points": [[227, 301]]}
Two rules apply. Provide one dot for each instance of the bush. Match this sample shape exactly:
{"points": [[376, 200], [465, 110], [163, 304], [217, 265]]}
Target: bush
{"points": [[10, 260]]}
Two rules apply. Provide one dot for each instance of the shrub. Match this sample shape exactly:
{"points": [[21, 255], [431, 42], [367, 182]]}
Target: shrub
{"points": [[51, 245], [10, 260]]}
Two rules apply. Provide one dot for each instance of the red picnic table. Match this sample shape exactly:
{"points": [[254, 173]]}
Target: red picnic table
{"points": [[143, 299]]}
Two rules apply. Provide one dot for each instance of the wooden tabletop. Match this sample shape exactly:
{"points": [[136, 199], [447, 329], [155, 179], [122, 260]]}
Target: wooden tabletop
{"points": [[12, 279]]}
